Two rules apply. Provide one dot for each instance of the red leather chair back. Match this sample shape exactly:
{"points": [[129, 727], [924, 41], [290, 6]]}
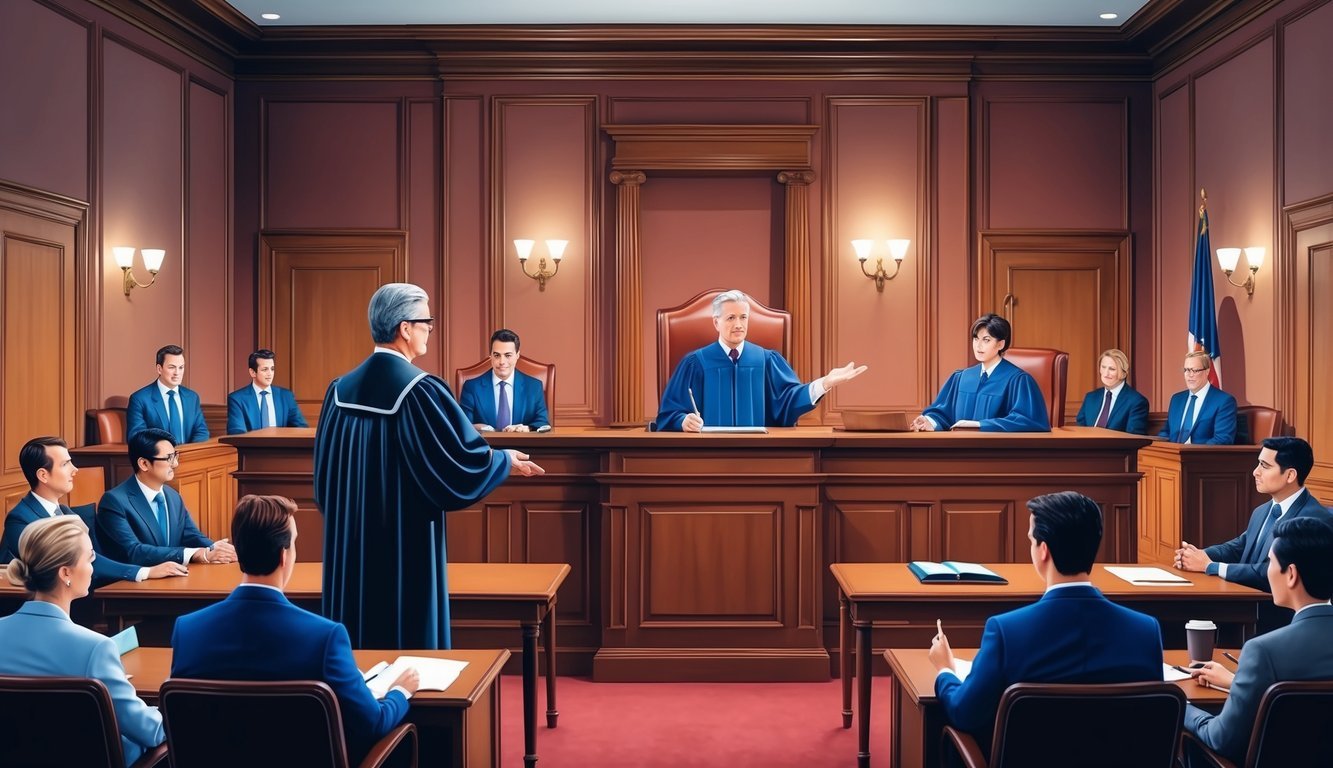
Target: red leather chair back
{"points": [[1260, 422], [1050, 367], [543, 372]]}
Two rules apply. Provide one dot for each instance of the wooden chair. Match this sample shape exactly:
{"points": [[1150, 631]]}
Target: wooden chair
{"points": [[1050, 367], [1259, 422], [1293, 728], [58, 721], [217, 723], [689, 326], [543, 372], [1041, 725]]}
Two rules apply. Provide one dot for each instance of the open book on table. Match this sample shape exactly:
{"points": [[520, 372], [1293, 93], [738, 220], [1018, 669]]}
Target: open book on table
{"points": [[436, 674], [951, 570]]}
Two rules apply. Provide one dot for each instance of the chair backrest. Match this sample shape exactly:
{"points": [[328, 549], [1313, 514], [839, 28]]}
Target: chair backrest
{"points": [[104, 425], [1294, 726], [56, 721], [1134, 724], [1260, 422], [1050, 367], [689, 326], [216, 723], [543, 372]]}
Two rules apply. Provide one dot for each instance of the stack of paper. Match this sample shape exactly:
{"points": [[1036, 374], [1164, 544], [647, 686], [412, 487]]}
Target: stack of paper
{"points": [[436, 674], [1149, 577]]}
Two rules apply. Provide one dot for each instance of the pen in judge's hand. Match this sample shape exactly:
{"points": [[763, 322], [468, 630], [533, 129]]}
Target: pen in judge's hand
{"points": [[693, 421], [693, 404]]}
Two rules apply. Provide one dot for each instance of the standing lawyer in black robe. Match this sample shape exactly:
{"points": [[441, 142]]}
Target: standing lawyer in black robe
{"points": [[393, 453]]}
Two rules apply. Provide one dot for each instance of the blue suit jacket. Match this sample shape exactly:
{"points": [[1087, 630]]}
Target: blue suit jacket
{"points": [[1299, 651], [129, 531], [256, 634], [243, 410], [28, 510], [527, 407], [1129, 414], [1215, 424], [1245, 564], [1071, 635], [41, 640], [148, 409]]}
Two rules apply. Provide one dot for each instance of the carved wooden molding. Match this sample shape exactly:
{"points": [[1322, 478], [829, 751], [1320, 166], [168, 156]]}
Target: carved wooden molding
{"points": [[711, 147], [796, 273]]}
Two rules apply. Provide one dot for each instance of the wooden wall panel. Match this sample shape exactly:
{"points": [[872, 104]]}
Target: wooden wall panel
{"points": [[1307, 103], [207, 261], [948, 339], [1175, 213], [464, 267], [424, 265], [980, 531], [1304, 319], [684, 551]]}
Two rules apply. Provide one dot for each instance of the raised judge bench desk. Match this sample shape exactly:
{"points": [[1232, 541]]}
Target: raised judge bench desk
{"points": [[705, 557], [1203, 494]]}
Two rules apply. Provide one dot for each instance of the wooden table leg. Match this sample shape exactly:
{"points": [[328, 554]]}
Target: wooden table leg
{"points": [[548, 641], [863, 651], [530, 694], [845, 659]]}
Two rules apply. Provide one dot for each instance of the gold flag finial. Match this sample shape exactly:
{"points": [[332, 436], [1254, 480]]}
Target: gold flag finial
{"points": [[1203, 200]]}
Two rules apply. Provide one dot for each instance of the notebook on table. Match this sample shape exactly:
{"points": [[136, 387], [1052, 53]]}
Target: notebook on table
{"points": [[954, 571]]}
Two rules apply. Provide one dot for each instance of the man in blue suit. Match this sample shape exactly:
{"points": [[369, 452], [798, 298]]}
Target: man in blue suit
{"points": [[257, 634], [1201, 415], [1072, 635], [50, 472], [260, 404], [165, 404], [143, 520], [1114, 405], [504, 399], [1300, 574]]}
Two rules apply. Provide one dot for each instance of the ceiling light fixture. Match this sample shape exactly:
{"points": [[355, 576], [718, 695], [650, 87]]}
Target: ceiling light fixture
{"points": [[1109, 16], [270, 16]]}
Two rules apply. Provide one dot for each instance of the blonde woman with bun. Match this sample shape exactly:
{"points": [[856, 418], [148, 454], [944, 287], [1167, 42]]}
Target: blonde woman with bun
{"points": [[55, 564]]}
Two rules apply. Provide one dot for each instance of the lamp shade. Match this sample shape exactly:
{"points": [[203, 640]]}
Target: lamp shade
{"points": [[862, 248], [524, 248], [124, 256], [898, 249], [557, 248], [152, 259], [1227, 258], [1255, 256]]}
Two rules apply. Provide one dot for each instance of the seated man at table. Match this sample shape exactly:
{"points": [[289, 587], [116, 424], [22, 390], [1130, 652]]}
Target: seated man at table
{"points": [[257, 634], [261, 403], [1072, 634], [1201, 414], [165, 404], [505, 399], [735, 383], [1300, 572], [144, 521]]}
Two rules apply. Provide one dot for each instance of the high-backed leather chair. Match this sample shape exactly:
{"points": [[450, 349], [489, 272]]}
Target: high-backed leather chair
{"points": [[224, 723], [1259, 422], [1292, 729], [1050, 367], [543, 372], [63, 721], [1045, 726], [689, 326], [103, 426]]}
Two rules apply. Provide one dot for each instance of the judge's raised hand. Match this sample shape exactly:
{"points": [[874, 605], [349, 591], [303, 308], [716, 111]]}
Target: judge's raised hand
{"points": [[922, 424], [844, 374], [693, 423], [519, 463]]}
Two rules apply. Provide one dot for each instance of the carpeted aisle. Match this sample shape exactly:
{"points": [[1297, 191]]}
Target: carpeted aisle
{"points": [[693, 725]]}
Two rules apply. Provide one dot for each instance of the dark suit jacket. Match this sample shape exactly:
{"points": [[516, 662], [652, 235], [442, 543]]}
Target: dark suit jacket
{"points": [[1215, 424], [1071, 635], [129, 530], [256, 634], [1129, 414], [28, 510], [243, 409], [1245, 564], [1300, 651], [527, 407], [148, 409]]}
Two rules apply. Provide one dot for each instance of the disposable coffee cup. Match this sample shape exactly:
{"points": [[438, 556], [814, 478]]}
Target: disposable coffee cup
{"points": [[1200, 639]]}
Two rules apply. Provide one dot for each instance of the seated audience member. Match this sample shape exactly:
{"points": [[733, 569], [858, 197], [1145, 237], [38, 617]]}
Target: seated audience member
{"points": [[1114, 405], [1300, 573], [257, 634], [504, 399], [1073, 634], [994, 395], [55, 564], [143, 520], [165, 404], [50, 472], [735, 383], [260, 403], [1201, 415]]}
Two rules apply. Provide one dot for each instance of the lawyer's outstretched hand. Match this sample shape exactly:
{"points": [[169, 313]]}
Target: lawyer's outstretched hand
{"points": [[522, 465], [841, 375]]}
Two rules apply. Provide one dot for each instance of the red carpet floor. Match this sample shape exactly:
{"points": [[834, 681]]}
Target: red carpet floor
{"points": [[688, 725]]}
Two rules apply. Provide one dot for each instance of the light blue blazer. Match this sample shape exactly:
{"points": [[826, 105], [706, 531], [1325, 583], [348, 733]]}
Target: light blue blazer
{"points": [[40, 639]]}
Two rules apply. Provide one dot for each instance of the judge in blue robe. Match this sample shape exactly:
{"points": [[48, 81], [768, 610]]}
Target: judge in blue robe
{"points": [[735, 383], [994, 396], [393, 453]]}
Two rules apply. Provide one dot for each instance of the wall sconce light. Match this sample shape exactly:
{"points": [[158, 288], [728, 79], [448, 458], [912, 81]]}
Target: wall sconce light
{"points": [[1228, 257], [152, 259], [897, 250], [557, 251]]}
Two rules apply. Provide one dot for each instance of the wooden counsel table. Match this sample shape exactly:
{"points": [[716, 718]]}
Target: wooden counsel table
{"points": [[888, 593], [918, 720], [459, 727], [478, 592]]}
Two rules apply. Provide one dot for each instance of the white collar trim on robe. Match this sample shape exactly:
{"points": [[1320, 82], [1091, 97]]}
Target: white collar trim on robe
{"points": [[401, 395]]}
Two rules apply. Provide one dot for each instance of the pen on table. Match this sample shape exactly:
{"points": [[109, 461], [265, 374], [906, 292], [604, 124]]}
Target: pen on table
{"points": [[1179, 668], [693, 404], [1233, 659]]}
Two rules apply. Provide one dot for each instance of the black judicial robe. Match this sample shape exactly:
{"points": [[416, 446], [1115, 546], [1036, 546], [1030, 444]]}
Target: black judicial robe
{"points": [[759, 389], [394, 452]]}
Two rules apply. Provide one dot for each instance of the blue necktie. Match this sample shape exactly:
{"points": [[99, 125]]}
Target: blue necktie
{"points": [[502, 416], [263, 409], [161, 504], [1265, 540], [1187, 425], [984, 378], [174, 417]]}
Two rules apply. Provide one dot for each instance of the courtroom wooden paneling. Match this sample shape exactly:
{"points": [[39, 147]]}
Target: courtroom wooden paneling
{"points": [[1305, 281], [1202, 494]]}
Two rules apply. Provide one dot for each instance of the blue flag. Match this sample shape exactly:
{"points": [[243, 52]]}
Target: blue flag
{"points": [[1203, 312]]}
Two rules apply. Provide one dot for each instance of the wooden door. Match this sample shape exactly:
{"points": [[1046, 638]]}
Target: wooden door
{"points": [[1064, 290], [1305, 283]]}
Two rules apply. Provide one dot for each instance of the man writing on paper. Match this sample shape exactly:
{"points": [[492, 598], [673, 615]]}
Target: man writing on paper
{"points": [[1071, 635], [734, 383], [257, 634]]}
